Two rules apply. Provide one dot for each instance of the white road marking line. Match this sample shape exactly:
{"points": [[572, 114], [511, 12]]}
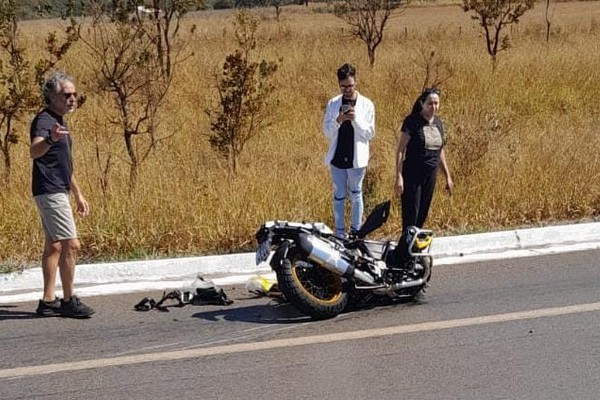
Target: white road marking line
{"points": [[294, 342]]}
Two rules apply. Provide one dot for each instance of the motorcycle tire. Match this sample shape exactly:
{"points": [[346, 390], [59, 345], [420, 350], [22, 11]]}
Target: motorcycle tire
{"points": [[315, 291]]}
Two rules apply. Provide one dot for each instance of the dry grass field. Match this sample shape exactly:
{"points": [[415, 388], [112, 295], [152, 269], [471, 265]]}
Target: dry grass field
{"points": [[523, 142]]}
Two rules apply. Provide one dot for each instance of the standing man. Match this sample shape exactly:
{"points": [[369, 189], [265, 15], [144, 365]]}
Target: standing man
{"points": [[349, 124], [52, 182]]}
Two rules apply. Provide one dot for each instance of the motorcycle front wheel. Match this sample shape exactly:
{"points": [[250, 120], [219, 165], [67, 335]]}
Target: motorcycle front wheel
{"points": [[313, 290]]}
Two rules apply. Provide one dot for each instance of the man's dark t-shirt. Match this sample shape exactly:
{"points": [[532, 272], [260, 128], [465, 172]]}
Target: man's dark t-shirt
{"points": [[425, 145], [51, 172], [343, 157]]}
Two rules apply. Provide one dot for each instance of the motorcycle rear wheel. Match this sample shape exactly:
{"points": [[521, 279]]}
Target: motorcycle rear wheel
{"points": [[314, 290]]}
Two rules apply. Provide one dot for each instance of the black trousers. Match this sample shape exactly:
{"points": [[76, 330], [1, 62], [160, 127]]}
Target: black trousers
{"points": [[416, 197]]}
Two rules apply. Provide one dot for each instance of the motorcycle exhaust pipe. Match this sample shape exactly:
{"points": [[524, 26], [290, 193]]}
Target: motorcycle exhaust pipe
{"points": [[326, 256], [408, 284]]}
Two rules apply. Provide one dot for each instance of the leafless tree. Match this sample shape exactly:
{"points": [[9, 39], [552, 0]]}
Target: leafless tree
{"points": [[493, 16], [134, 60], [436, 69], [368, 19], [549, 14]]}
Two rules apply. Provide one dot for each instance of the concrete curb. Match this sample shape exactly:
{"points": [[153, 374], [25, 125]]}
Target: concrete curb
{"points": [[520, 239], [147, 270], [232, 268]]}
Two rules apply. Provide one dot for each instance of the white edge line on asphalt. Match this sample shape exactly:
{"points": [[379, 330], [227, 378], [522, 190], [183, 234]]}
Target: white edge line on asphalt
{"points": [[25, 295], [33, 370]]}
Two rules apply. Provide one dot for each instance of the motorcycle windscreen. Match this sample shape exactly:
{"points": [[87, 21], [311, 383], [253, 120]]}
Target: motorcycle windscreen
{"points": [[375, 220]]}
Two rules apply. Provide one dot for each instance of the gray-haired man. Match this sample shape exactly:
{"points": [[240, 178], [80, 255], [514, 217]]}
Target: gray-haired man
{"points": [[52, 182]]}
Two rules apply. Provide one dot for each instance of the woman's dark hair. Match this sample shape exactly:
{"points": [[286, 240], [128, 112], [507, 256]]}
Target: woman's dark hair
{"points": [[418, 106], [346, 71]]}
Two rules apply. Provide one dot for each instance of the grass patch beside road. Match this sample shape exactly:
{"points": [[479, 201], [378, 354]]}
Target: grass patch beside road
{"points": [[522, 145]]}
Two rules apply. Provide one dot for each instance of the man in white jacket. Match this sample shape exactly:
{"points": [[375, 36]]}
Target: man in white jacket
{"points": [[349, 124]]}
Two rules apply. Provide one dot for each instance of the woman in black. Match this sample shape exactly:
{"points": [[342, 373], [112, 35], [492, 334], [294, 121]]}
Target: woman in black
{"points": [[419, 155]]}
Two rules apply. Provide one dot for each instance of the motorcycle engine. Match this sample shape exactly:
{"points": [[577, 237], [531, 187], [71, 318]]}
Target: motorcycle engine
{"points": [[408, 271]]}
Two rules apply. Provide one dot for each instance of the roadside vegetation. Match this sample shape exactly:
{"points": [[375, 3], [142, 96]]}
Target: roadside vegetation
{"points": [[523, 143]]}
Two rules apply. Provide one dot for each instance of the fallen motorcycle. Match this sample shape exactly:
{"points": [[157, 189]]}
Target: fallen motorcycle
{"points": [[321, 274]]}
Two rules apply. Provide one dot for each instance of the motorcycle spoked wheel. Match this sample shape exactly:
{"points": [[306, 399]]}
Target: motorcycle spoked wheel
{"points": [[315, 291]]}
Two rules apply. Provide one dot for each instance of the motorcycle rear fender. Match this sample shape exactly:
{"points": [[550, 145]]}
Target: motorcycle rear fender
{"points": [[280, 253]]}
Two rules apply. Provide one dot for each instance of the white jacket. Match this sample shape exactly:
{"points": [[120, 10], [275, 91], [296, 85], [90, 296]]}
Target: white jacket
{"points": [[364, 128]]}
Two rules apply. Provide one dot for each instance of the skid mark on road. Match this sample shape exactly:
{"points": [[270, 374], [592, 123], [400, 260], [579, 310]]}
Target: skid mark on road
{"points": [[243, 335], [238, 336], [294, 342]]}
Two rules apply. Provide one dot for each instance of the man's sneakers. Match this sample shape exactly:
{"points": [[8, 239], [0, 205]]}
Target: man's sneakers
{"points": [[48, 308], [73, 308]]}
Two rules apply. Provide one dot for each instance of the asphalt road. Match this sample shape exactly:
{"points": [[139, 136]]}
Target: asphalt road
{"points": [[514, 329]]}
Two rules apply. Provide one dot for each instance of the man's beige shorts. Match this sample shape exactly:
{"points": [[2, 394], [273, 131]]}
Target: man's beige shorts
{"points": [[57, 216]]}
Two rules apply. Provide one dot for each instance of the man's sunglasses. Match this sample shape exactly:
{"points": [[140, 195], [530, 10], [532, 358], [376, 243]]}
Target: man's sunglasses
{"points": [[67, 96]]}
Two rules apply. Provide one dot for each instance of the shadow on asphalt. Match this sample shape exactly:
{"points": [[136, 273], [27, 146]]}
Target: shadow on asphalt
{"points": [[6, 314], [278, 313]]}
